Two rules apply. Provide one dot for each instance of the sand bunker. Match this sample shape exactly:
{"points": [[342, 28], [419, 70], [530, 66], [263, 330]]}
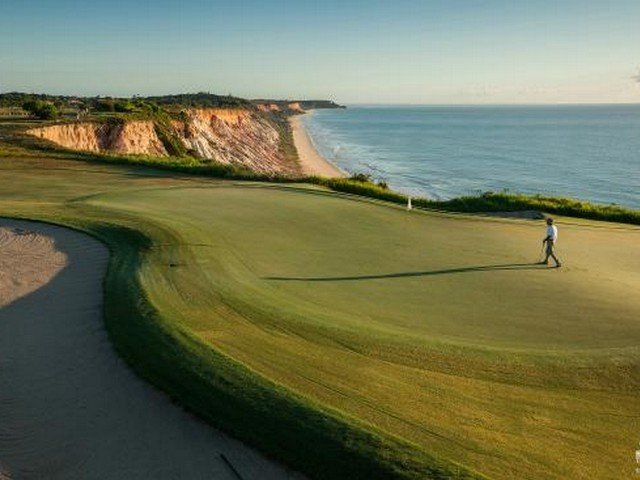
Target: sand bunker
{"points": [[27, 261], [69, 407]]}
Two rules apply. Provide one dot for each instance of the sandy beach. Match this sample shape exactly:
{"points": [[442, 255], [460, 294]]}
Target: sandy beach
{"points": [[311, 161], [69, 406]]}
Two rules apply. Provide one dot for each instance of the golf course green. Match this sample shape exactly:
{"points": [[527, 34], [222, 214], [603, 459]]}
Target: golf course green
{"points": [[431, 345]]}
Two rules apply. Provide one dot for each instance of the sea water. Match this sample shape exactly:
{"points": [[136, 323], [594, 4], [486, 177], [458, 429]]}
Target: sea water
{"points": [[589, 152]]}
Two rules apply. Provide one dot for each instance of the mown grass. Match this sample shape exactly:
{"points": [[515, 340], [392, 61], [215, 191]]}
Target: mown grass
{"points": [[391, 319], [353, 339], [307, 436], [234, 398]]}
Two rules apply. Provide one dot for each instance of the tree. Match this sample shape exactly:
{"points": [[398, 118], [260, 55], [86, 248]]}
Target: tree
{"points": [[42, 110], [105, 105]]}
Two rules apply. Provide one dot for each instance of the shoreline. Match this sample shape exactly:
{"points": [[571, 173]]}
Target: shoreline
{"points": [[311, 161]]}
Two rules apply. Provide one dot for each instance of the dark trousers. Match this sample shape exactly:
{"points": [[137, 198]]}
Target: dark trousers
{"points": [[550, 252]]}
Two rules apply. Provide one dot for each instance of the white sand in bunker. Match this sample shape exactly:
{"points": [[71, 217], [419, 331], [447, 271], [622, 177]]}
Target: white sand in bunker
{"points": [[69, 406], [27, 261]]}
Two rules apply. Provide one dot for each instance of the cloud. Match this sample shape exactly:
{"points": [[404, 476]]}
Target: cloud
{"points": [[636, 77]]}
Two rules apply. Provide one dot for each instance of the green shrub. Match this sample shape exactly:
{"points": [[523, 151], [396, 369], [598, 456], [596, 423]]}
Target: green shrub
{"points": [[41, 109], [361, 177], [489, 202], [509, 202], [124, 106], [104, 105]]}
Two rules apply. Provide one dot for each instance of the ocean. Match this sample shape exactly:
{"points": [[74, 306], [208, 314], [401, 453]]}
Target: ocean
{"points": [[589, 152]]}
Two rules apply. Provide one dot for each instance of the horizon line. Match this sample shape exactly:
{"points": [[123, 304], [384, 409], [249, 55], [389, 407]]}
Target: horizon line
{"points": [[346, 103]]}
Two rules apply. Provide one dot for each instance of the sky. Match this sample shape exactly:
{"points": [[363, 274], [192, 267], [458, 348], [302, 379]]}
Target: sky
{"points": [[351, 51]]}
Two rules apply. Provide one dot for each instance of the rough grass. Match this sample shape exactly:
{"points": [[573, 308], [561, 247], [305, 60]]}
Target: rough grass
{"points": [[494, 202]]}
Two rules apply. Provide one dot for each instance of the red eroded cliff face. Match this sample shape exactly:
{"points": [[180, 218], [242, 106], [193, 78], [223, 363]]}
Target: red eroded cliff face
{"points": [[230, 136], [268, 107], [134, 137], [234, 136]]}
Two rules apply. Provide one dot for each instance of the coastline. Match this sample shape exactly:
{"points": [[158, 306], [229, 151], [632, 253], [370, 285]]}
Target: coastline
{"points": [[311, 161]]}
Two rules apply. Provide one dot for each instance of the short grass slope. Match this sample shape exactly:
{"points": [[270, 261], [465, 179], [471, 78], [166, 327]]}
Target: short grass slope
{"points": [[424, 345]]}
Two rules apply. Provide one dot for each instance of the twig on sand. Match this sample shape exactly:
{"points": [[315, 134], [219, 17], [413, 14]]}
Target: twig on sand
{"points": [[231, 467]]}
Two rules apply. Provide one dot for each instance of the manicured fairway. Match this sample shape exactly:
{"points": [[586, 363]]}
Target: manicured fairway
{"points": [[438, 329], [428, 277]]}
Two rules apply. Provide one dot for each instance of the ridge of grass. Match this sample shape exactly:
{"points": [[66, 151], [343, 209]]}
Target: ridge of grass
{"points": [[492, 202]]}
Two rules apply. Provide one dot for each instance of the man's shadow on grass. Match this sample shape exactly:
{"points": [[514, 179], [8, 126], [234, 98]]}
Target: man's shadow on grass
{"points": [[426, 273]]}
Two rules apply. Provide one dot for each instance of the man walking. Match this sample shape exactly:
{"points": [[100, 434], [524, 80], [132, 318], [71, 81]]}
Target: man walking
{"points": [[550, 240]]}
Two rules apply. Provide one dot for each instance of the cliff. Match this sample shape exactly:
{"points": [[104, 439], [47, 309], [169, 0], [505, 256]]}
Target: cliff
{"points": [[293, 106], [134, 137], [233, 136], [238, 136]]}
